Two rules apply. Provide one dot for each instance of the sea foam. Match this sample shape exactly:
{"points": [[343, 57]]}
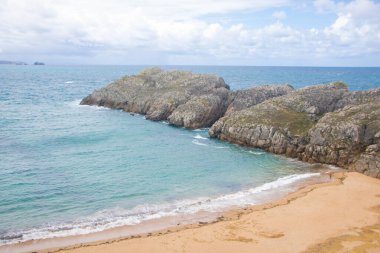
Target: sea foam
{"points": [[196, 142], [76, 104], [117, 217], [198, 136], [255, 152]]}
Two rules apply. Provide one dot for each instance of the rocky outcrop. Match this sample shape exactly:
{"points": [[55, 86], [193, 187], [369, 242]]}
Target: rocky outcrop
{"points": [[359, 97], [349, 137], [318, 124], [181, 97], [243, 99], [324, 123], [339, 136], [293, 114], [368, 162], [200, 111]]}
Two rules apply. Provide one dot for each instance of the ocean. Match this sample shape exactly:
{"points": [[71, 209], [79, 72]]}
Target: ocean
{"points": [[67, 169]]}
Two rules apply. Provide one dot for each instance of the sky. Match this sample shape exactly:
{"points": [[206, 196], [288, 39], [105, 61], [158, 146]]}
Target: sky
{"points": [[192, 32]]}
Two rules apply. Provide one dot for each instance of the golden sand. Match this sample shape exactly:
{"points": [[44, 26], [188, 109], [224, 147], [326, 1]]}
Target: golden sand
{"points": [[340, 216]]}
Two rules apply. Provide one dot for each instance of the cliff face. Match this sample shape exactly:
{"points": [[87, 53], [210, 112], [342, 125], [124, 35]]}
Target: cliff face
{"points": [[280, 125], [322, 123], [349, 137]]}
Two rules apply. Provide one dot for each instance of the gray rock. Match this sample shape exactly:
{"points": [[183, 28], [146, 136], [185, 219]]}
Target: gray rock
{"points": [[200, 111], [368, 163], [158, 94], [324, 124], [243, 99], [295, 112], [359, 97], [346, 133], [316, 100], [181, 97]]}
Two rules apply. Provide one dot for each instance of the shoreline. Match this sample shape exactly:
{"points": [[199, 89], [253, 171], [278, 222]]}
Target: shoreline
{"points": [[113, 236], [164, 224], [346, 221], [343, 223], [273, 191]]}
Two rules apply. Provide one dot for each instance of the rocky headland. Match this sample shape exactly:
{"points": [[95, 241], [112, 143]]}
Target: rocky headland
{"points": [[318, 124], [182, 98]]}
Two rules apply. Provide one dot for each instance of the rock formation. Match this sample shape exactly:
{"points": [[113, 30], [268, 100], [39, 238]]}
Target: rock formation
{"points": [[243, 99], [181, 97], [322, 123]]}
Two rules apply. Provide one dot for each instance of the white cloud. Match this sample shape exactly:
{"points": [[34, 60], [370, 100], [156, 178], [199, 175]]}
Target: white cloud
{"points": [[357, 27], [279, 15], [325, 5], [163, 29], [39, 24]]}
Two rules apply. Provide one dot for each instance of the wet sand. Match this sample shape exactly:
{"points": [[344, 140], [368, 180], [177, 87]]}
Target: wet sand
{"points": [[339, 216]]}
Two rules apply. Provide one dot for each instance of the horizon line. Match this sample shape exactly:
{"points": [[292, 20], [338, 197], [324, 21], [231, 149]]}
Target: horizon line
{"points": [[194, 65]]}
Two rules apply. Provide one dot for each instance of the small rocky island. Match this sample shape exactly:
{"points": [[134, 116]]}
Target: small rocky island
{"points": [[318, 124]]}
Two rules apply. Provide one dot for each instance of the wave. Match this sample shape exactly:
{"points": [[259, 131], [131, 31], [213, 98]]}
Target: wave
{"points": [[196, 142], [282, 181], [200, 130], [256, 152], [68, 82], [333, 167], [117, 217], [198, 136], [76, 104]]}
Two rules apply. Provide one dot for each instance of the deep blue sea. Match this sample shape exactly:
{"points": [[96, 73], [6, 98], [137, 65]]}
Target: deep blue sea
{"points": [[67, 169]]}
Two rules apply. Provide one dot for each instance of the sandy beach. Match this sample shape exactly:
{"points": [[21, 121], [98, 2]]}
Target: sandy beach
{"points": [[191, 126], [339, 216]]}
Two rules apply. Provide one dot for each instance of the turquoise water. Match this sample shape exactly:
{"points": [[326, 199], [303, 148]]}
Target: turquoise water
{"points": [[67, 169]]}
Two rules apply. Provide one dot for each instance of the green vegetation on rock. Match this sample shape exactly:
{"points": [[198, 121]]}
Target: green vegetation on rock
{"points": [[298, 123]]}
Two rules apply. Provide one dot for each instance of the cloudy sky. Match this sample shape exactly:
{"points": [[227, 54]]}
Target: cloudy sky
{"points": [[205, 32]]}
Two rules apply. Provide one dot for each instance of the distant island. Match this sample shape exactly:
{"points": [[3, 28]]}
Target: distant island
{"points": [[13, 62], [20, 63]]}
